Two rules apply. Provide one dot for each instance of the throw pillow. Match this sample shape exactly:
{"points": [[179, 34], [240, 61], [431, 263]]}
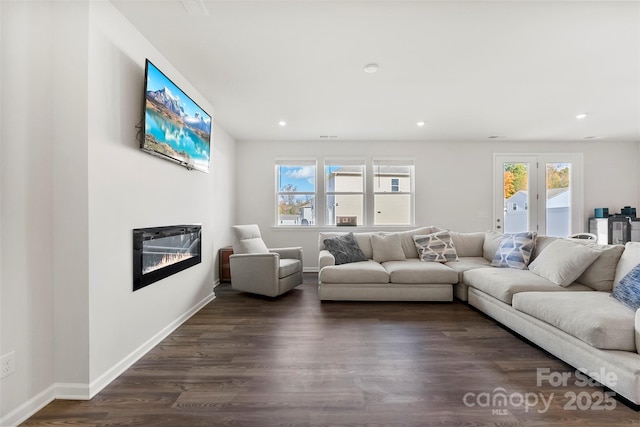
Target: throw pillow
{"points": [[628, 290], [387, 247], [514, 250], [436, 247], [563, 261], [344, 249]]}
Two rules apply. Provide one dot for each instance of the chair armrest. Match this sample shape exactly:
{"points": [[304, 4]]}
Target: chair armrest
{"points": [[325, 259], [256, 273], [291, 253]]}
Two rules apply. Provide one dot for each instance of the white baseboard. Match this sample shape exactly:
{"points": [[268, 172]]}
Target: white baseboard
{"points": [[113, 373], [79, 391]]}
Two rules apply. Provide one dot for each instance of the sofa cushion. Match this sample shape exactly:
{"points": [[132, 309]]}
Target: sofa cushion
{"points": [[563, 261], [406, 238], [356, 272], [629, 259], [468, 244], [490, 244], [541, 244], [592, 317], [628, 290], [387, 247], [503, 283], [344, 249], [514, 250], [467, 263], [436, 247], [415, 271], [599, 275]]}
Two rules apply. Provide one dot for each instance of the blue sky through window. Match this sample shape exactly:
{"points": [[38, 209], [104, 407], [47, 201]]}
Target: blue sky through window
{"points": [[303, 178]]}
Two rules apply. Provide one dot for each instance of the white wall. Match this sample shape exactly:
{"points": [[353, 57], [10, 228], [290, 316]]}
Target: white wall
{"points": [[453, 180], [74, 184], [26, 317]]}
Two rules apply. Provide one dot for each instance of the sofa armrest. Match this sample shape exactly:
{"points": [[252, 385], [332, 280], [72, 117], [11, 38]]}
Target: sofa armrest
{"points": [[638, 330], [325, 259]]}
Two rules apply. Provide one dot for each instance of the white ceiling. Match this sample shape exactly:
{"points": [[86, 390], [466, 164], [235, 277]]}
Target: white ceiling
{"points": [[469, 69]]}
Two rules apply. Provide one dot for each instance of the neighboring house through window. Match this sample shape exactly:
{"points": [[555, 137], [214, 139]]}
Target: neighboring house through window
{"points": [[296, 198], [349, 192]]}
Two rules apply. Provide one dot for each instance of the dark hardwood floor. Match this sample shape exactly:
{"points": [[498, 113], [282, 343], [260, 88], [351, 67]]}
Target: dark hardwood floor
{"points": [[245, 360]]}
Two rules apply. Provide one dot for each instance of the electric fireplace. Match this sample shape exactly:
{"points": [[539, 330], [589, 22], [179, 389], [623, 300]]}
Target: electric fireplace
{"points": [[159, 252]]}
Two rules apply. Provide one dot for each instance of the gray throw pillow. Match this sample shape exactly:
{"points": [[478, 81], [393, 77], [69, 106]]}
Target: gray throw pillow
{"points": [[515, 250], [344, 249]]}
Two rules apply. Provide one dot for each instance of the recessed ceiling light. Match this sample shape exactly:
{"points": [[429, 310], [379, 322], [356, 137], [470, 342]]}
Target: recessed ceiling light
{"points": [[581, 116], [371, 68], [590, 137], [496, 136], [420, 123], [282, 123]]}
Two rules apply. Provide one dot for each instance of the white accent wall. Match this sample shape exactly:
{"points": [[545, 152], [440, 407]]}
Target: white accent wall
{"points": [[454, 180], [74, 184]]}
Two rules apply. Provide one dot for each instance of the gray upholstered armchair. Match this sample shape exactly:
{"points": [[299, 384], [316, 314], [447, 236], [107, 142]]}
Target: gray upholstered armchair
{"points": [[260, 270]]}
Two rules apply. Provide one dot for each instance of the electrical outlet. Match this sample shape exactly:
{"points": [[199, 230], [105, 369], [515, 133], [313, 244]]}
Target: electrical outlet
{"points": [[8, 364]]}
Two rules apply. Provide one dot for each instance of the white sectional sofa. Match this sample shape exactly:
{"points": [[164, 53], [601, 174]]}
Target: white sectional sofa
{"points": [[400, 278], [578, 321]]}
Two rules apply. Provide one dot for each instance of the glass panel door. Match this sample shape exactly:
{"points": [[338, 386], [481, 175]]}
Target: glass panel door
{"points": [[514, 193], [558, 199]]}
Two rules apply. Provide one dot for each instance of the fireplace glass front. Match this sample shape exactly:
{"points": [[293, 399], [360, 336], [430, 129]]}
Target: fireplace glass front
{"points": [[159, 252]]}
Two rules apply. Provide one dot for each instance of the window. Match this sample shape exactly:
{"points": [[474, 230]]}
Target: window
{"points": [[344, 190], [393, 192], [296, 199]]}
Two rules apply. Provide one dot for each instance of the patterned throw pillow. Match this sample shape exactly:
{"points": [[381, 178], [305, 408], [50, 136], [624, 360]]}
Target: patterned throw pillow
{"points": [[515, 250], [628, 290], [344, 249], [436, 247]]}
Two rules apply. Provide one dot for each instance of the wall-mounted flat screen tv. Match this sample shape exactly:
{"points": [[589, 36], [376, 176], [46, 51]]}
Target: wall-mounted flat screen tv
{"points": [[175, 127]]}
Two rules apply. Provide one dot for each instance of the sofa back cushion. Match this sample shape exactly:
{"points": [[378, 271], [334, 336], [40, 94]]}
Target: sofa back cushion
{"points": [[490, 245], [541, 244], [563, 261], [406, 238], [468, 244], [629, 259], [387, 247], [600, 275]]}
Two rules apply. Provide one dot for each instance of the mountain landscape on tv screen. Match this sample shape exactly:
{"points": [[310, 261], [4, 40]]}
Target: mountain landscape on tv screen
{"points": [[169, 130]]}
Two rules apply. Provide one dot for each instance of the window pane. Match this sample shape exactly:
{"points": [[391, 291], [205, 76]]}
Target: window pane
{"points": [[392, 209], [389, 178], [292, 178], [344, 178], [340, 206], [558, 191], [516, 197], [296, 210]]}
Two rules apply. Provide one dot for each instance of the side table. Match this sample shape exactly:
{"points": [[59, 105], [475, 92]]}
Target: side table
{"points": [[225, 268]]}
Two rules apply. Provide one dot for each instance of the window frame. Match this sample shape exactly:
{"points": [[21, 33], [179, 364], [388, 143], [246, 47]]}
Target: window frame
{"points": [[392, 161], [301, 163], [368, 193]]}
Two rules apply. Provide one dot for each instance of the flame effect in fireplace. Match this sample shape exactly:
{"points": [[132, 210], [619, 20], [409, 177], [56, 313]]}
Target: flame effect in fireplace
{"points": [[167, 260]]}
